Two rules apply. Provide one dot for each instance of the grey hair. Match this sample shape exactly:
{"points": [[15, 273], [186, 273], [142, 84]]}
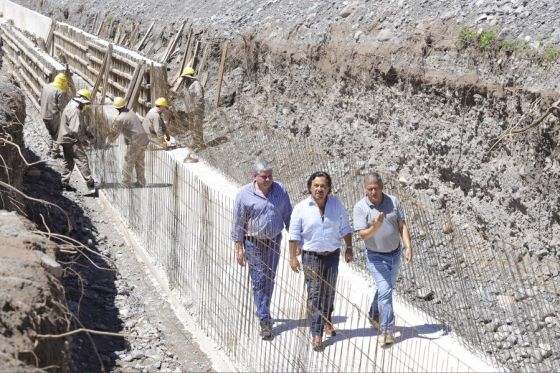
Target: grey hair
{"points": [[261, 165], [373, 177]]}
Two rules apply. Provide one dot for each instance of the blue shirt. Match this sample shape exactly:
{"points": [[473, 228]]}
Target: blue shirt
{"points": [[388, 236], [259, 216], [315, 233]]}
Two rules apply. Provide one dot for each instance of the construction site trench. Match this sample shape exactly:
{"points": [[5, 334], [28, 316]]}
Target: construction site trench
{"points": [[453, 104]]}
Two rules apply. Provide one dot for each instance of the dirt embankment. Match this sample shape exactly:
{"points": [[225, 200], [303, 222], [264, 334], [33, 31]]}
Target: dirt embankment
{"points": [[31, 299]]}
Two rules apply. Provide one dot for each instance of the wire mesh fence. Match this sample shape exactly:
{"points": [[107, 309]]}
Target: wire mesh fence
{"points": [[185, 225]]}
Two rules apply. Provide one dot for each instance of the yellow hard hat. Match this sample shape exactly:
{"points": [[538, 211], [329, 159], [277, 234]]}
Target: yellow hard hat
{"points": [[85, 94], [189, 71], [119, 103], [162, 101], [60, 82]]}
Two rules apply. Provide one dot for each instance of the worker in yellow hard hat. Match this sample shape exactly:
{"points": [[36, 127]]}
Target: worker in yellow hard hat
{"points": [[53, 100], [73, 135], [193, 95], [129, 125], [154, 124]]}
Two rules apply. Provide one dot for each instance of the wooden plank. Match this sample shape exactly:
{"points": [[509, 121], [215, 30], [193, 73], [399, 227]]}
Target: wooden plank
{"points": [[176, 80], [100, 26], [50, 38], [221, 73], [94, 23], [132, 101], [74, 43], [113, 71], [173, 44], [132, 81], [146, 36], [107, 72], [194, 58], [133, 34], [101, 74], [71, 55]]}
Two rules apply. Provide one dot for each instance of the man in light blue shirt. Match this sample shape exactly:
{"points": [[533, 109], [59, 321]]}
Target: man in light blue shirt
{"points": [[262, 209], [318, 225], [379, 220]]}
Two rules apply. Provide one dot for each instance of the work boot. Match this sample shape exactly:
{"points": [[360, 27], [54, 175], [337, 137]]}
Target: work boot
{"points": [[388, 340], [266, 330], [66, 186], [91, 187]]}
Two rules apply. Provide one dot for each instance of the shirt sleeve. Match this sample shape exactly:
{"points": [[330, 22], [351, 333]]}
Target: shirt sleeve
{"points": [[400, 212], [359, 217], [239, 219], [287, 211], [295, 232], [345, 227]]}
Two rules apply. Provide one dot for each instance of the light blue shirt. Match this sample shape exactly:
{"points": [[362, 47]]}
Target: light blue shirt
{"points": [[258, 216], [315, 233]]}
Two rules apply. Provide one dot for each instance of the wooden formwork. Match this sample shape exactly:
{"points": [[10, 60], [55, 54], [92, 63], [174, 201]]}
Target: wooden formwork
{"points": [[33, 66], [86, 54]]}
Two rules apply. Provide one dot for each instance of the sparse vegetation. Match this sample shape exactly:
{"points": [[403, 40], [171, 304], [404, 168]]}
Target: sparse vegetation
{"points": [[467, 34], [487, 39], [550, 55]]}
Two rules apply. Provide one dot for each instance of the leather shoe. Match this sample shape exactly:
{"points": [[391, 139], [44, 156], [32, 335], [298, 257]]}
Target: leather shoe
{"points": [[317, 344], [329, 330]]}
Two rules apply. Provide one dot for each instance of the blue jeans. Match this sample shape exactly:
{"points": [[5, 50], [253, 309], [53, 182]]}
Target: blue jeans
{"points": [[321, 273], [384, 268], [263, 257]]}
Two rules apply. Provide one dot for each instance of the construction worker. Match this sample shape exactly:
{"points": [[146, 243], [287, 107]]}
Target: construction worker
{"points": [[194, 106], [53, 101], [73, 134], [136, 139], [153, 122]]}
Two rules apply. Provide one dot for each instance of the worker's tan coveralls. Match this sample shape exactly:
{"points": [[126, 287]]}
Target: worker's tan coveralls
{"points": [[53, 102], [154, 125], [194, 104], [72, 135], [136, 139]]}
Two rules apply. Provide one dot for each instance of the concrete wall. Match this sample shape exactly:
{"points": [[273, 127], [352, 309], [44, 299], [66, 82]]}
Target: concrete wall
{"points": [[26, 19]]}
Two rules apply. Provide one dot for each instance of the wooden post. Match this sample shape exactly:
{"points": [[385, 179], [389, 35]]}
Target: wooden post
{"points": [[145, 36], [50, 39], [173, 43], [131, 97], [175, 83], [100, 26], [94, 22], [221, 73], [107, 73]]}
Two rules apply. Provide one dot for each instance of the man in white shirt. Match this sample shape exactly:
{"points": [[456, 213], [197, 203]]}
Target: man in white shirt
{"points": [[317, 227]]}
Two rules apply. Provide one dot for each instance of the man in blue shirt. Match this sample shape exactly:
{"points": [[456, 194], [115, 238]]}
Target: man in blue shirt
{"points": [[318, 225], [379, 220], [262, 209]]}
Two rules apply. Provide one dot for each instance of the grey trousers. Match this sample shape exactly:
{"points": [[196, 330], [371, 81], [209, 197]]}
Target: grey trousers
{"points": [[52, 126], [74, 154], [196, 120], [134, 159]]}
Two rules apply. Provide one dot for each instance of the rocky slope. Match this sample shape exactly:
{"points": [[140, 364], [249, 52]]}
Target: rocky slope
{"points": [[424, 91]]}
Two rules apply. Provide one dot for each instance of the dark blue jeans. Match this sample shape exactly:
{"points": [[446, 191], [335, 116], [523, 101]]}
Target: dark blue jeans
{"points": [[263, 257], [321, 273]]}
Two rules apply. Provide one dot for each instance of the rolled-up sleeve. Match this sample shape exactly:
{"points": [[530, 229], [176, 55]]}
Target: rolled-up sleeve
{"points": [[345, 227], [287, 211], [295, 225], [359, 218], [239, 219]]}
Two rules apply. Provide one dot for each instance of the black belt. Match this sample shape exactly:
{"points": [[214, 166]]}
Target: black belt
{"points": [[322, 253], [265, 241], [389, 253]]}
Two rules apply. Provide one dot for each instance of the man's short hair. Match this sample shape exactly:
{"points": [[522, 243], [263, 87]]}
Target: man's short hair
{"points": [[317, 174], [373, 177], [261, 165]]}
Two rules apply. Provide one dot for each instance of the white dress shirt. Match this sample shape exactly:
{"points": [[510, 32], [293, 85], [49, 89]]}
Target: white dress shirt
{"points": [[316, 233]]}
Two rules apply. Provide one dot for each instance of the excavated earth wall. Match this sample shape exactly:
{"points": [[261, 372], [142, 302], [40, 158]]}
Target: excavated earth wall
{"points": [[424, 91], [31, 296]]}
